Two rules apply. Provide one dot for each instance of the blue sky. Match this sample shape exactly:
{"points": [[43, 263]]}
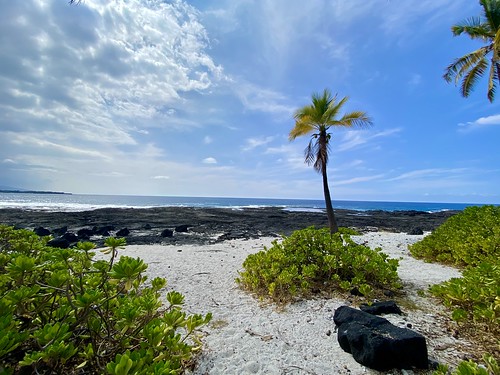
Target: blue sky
{"points": [[196, 98]]}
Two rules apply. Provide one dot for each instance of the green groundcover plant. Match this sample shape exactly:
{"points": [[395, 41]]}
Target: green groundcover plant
{"points": [[470, 239], [490, 367], [311, 261], [466, 239], [62, 311]]}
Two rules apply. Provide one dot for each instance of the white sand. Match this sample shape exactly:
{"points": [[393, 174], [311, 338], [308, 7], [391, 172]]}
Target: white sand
{"points": [[247, 337]]}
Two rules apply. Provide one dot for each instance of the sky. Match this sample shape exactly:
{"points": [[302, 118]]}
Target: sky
{"points": [[196, 98]]}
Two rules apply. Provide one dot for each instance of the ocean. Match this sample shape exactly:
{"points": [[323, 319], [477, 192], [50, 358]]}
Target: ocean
{"points": [[83, 202]]}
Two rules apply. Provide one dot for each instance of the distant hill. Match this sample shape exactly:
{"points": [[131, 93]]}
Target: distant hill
{"points": [[9, 189]]}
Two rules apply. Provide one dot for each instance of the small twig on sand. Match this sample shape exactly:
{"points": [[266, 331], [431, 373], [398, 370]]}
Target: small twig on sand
{"points": [[292, 368]]}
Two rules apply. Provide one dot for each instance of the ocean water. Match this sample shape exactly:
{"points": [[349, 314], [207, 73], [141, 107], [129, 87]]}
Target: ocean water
{"points": [[82, 202]]}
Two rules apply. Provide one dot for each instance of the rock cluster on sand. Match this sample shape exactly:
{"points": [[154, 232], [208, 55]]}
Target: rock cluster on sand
{"points": [[187, 225]]}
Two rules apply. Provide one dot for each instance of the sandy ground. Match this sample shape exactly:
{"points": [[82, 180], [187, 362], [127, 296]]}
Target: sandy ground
{"points": [[248, 337]]}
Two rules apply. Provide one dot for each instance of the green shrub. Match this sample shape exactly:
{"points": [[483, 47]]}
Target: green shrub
{"points": [[61, 311], [491, 367], [467, 238], [475, 296], [312, 260]]}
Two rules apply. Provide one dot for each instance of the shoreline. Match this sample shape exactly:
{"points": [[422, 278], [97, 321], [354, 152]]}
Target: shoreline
{"points": [[192, 225]]}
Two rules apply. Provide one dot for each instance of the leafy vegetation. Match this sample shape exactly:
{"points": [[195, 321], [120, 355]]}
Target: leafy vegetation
{"points": [[313, 260], [491, 367], [61, 311], [468, 238], [475, 296]]}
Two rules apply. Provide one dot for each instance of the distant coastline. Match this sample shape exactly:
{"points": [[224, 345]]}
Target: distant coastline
{"points": [[33, 192]]}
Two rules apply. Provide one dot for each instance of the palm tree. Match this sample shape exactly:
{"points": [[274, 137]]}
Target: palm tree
{"points": [[316, 119], [472, 66]]}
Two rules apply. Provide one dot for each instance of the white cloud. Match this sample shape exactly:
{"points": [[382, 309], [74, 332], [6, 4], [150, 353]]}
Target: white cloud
{"points": [[207, 140], [252, 143], [256, 98], [356, 138], [99, 74], [355, 180], [210, 160], [480, 123], [160, 177], [428, 173]]}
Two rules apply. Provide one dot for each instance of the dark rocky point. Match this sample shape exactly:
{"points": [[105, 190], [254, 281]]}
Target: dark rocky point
{"points": [[205, 224]]}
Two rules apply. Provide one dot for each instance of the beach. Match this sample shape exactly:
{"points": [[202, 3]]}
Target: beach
{"points": [[248, 335]]}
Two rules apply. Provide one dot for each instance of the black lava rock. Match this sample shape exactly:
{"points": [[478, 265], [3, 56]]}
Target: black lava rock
{"points": [[376, 343], [59, 242], [167, 233], [123, 232], [41, 231], [379, 308]]}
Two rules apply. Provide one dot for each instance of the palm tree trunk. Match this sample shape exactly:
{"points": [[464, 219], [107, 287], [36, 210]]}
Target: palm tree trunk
{"points": [[326, 190], [328, 203]]}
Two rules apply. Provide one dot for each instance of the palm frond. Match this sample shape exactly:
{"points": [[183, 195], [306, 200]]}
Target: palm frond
{"points": [[310, 152], [472, 77], [493, 80], [356, 119], [474, 28], [303, 126], [460, 66], [333, 109], [322, 152], [491, 13]]}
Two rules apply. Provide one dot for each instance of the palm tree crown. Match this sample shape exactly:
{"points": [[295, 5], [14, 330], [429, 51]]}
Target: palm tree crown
{"points": [[316, 119], [472, 66]]}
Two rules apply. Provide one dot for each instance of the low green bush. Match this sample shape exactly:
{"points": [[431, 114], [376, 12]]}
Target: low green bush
{"points": [[468, 238], [475, 297], [490, 367], [61, 311], [311, 261]]}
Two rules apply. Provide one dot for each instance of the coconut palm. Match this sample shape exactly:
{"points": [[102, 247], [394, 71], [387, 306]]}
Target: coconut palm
{"points": [[472, 66], [316, 119]]}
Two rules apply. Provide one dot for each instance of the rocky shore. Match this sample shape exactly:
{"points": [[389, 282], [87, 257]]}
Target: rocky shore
{"points": [[188, 225]]}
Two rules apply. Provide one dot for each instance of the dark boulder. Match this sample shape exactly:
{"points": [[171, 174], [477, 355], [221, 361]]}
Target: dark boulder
{"points": [[182, 228], [147, 226], [104, 231], [59, 242], [85, 234], [416, 231], [167, 233], [60, 231], [41, 231], [70, 237], [379, 308], [123, 232], [376, 343]]}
